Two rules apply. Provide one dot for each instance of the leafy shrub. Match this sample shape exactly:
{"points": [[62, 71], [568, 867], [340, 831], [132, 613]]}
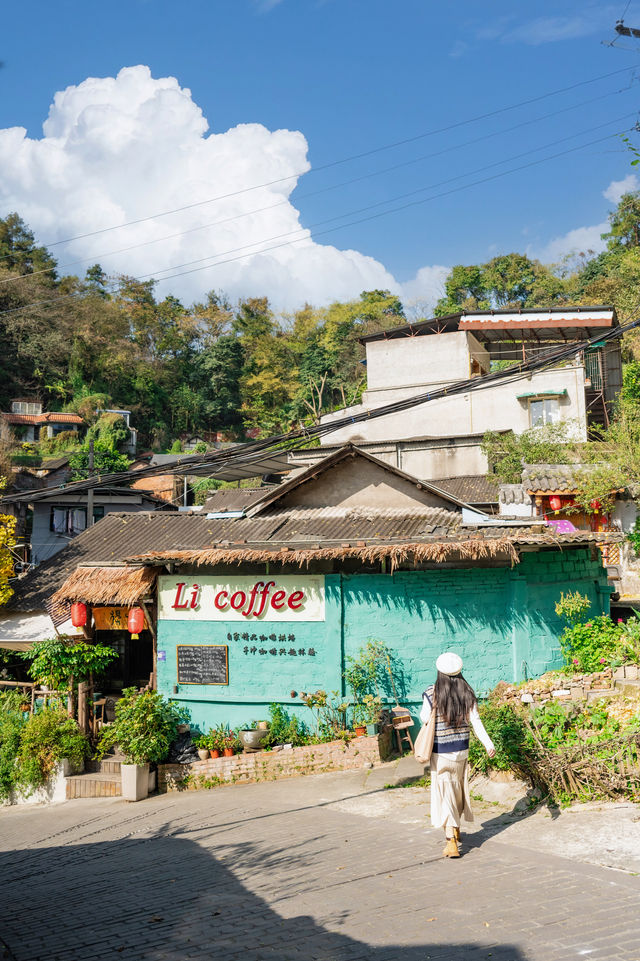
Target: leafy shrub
{"points": [[144, 727], [56, 660], [47, 737], [12, 722], [507, 729], [284, 729], [591, 646]]}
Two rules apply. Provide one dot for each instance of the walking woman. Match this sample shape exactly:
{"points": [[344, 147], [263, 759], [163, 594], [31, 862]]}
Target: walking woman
{"points": [[456, 707]]}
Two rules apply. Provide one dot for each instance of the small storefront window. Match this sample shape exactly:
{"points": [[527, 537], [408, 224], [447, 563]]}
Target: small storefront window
{"points": [[544, 410]]}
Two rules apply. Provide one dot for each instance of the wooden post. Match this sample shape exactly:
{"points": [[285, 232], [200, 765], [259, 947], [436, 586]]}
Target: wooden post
{"points": [[152, 628], [83, 714]]}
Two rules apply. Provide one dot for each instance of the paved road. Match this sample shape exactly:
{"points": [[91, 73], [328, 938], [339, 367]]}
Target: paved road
{"points": [[317, 868]]}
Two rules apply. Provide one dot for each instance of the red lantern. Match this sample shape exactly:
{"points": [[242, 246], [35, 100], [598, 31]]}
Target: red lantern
{"points": [[79, 614], [135, 621], [555, 503]]}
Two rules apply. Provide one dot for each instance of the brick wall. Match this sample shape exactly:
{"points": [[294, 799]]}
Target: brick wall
{"points": [[274, 765]]}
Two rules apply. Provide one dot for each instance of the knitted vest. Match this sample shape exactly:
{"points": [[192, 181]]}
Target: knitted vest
{"points": [[447, 739]]}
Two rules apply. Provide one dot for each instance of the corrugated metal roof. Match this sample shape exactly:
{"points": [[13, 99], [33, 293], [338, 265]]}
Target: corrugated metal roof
{"points": [[121, 536], [234, 498], [471, 488]]}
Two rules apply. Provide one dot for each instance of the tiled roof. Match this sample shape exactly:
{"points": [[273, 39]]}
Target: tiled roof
{"points": [[49, 418], [471, 488], [549, 477]]}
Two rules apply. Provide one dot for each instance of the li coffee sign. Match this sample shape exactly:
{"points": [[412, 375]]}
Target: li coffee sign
{"points": [[245, 599]]}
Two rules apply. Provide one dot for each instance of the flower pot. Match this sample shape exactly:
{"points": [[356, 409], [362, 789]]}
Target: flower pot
{"points": [[228, 752], [360, 730], [215, 752], [203, 753], [253, 740], [135, 781]]}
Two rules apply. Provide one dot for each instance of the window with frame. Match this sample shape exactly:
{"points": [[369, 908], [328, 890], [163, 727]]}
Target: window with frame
{"points": [[544, 410], [70, 521]]}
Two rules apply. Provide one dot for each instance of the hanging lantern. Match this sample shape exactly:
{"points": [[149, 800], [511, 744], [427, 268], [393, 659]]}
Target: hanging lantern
{"points": [[79, 614], [595, 506], [135, 621], [555, 503]]}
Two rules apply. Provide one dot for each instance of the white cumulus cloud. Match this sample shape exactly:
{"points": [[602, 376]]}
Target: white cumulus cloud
{"points": [[117, 149], [617, 188], [589, 238]]}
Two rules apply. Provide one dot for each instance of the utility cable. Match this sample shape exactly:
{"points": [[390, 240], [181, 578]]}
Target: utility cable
{"points": [[306, 235], [348, 159], [255, 451], [98, 258]]}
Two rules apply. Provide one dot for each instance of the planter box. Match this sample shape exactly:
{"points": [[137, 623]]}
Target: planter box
{"points": [[135, 781], [54, 791], [360, 752]]}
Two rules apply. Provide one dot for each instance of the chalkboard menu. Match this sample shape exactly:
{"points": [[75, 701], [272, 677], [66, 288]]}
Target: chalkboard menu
{"points": [[203, 664]]}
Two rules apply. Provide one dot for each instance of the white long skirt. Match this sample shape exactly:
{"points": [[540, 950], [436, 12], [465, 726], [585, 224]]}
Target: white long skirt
{"points": [[450, 800]]}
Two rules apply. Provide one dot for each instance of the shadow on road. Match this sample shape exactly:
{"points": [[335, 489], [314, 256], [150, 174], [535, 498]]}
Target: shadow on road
{"points": [[164, 897]]}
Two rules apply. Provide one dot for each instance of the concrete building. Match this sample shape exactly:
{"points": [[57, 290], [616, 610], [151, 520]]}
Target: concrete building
{"points": [[60, 516], [408, 361]]}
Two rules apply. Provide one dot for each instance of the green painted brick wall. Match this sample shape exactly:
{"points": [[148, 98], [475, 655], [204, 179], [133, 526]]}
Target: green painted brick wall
{"points": [[502, 621]]}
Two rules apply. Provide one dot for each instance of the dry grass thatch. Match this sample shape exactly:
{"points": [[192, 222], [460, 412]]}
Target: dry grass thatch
{"points": [[106, 585], [473, 549]]}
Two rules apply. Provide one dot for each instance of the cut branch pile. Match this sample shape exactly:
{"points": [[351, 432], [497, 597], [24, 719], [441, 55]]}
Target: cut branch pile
{"points": [[589, 771]]}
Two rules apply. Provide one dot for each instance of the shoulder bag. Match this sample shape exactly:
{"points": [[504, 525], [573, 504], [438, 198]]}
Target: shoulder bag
{"points": [[424, 742]]}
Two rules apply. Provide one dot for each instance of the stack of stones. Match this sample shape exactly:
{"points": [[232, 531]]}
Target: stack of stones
{"points": [[573, 687]]}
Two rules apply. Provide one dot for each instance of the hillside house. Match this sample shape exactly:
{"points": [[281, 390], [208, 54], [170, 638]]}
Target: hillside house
{"points": [[411, 360], [27, 422]]}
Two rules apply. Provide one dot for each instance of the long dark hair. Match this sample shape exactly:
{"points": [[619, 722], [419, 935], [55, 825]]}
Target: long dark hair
{"points": [[454, 699]]}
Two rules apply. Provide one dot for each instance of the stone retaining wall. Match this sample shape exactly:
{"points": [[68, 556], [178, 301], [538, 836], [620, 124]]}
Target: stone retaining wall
{"points": [[572, 687], [272, 765]]}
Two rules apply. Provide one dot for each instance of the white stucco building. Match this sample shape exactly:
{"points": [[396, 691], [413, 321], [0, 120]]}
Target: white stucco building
{"points": [[418, 358]]}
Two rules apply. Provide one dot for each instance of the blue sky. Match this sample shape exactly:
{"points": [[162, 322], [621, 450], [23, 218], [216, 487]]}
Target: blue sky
{"points": [[350, 76]]}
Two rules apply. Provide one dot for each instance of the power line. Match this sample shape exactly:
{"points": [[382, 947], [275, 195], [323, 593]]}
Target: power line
{"points": [[344, 160], [253, 452], [313, 193], [306, 235]]}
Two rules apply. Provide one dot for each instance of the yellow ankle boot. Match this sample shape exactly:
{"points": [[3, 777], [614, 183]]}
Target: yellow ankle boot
{"points": [[451, 849]]}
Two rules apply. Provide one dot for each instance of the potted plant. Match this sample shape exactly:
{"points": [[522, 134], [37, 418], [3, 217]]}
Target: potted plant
{"points": [[202, 747], [230, 743], [359, 723], [144, 727], [372, 712], [215, 740]]}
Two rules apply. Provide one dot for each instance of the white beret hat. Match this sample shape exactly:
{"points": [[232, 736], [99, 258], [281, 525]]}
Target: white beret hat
{"points": [[449, 663]]}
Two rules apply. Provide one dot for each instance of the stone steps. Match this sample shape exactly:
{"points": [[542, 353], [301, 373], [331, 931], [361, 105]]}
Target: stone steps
{"points": [[110, 765], [94, 784], [626, 685], [100, 779]]}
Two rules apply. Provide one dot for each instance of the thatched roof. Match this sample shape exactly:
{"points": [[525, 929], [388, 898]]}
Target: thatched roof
{"points": [[474, 549], [107, 585], [501, 543]]}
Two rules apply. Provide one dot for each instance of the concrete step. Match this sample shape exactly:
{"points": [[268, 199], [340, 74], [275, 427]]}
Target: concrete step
{"points": [[624, 685], [107, 766], [94, 784]]}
